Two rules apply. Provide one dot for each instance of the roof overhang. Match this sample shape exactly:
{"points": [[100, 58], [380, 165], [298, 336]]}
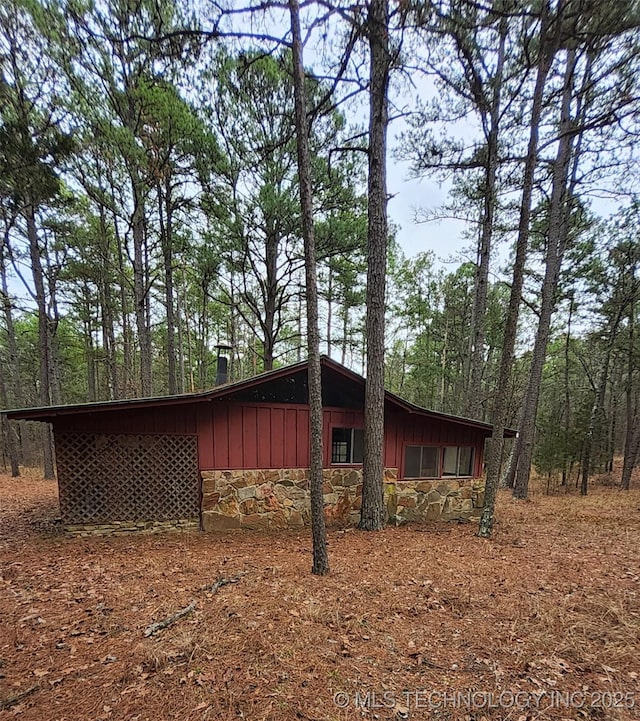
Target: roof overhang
{"points": [[50, 413]]}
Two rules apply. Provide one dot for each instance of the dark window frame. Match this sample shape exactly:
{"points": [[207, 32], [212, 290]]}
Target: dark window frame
{"points": [[441, 460], [351, 446], [421, 462]]}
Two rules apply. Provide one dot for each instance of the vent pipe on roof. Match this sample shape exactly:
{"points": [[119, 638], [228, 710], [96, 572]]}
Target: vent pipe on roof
{"points": [[222, 364]]}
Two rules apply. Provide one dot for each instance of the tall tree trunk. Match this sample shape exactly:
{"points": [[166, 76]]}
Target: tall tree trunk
{"points": [[53, 349], [43, 334], [597, 407], [190, 352], [139, 287], [89, 349], [299, 346], [271, 291], [107, 311], [204, 341], [320, 556], [613, 417], [13, 376], [567, 396], [475, 394], [109, 343], [127, 343], [443, 364], [234, 318], [345, 331], [556, 238], [631, 457], [632, 432], [165, 214], [180, 349], [500, 404], [329, 307], [372, 515], [8, 436]]}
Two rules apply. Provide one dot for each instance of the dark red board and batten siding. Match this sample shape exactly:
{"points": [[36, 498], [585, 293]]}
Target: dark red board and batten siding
{"points": [[245, 436], [142, 459], [263, 422], [248, 436]]}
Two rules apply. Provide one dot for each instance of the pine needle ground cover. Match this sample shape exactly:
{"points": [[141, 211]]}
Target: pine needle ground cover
{"points": [[541, 622]]}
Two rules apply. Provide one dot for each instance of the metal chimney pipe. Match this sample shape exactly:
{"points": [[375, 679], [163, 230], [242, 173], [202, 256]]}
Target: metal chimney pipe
{"points": [[222, 364]]}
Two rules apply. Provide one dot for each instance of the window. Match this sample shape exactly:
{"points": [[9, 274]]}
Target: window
{"points": [[450, 463], [458, 461], [424, 461], [465, 461], [347, 445]]}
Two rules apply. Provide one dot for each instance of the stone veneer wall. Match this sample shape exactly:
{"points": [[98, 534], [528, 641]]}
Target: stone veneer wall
{"points": [[125, 528], [278, 499]]}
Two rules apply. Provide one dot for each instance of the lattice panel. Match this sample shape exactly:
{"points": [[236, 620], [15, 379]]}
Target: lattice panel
{"points": [[113, 477]]}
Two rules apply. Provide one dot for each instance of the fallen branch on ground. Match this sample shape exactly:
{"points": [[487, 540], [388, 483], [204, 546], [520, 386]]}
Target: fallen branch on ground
{"points": [[215, 587], [13, 700], [161, 625], [211, 588]]}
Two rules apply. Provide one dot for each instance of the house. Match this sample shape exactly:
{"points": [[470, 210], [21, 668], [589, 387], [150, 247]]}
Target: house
{"points": [[237, 456]]}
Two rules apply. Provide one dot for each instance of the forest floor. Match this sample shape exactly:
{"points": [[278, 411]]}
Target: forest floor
{"points": [[422, 622]]}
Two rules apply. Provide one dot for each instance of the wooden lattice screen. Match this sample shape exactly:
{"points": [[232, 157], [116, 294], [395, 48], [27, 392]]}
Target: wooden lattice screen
{"points": [[113, 477]]}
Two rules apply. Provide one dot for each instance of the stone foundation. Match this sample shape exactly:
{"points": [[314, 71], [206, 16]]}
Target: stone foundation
{"points": [[440, 499], [125, 528], [278, 499]]}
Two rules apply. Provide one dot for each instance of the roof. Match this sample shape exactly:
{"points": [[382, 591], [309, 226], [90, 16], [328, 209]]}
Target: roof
{"points": [[49, 413]]}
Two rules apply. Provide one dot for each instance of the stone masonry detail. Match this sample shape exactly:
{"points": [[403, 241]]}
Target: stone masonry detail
{"points": [[279, 498]]}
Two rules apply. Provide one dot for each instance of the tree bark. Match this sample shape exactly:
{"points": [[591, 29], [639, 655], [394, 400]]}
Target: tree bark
{"points": [[631, 457], [13, 376], [567, 395], [632, 432], [43, 334], [329, 306], [165, 214], [8, 437], [127, 343], [107, 310], [500, 405], [89, 349], [556, 238], [320, 555], [345, 331], [597, 407], [372, 515], [271, 291], [474, 396], [180, 349], [139, 287]]}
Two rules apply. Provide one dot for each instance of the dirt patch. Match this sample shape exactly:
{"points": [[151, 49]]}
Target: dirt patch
{"points": [[414, 622]]}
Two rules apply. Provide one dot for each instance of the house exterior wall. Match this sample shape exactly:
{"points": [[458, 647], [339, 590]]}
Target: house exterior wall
{"points": [[244, 436], [253, 461], [258, 499], [402, 429], [252, 435], [176, 420]]}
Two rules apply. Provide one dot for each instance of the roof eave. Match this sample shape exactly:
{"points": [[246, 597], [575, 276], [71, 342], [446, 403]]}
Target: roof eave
{"points": [[48, 413]]}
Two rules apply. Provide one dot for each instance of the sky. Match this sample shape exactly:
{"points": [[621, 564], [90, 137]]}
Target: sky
{"points": [[408, 195]]}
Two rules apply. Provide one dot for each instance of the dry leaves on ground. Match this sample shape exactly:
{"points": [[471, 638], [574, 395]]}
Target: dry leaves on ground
{"points": [[415, 622]]}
